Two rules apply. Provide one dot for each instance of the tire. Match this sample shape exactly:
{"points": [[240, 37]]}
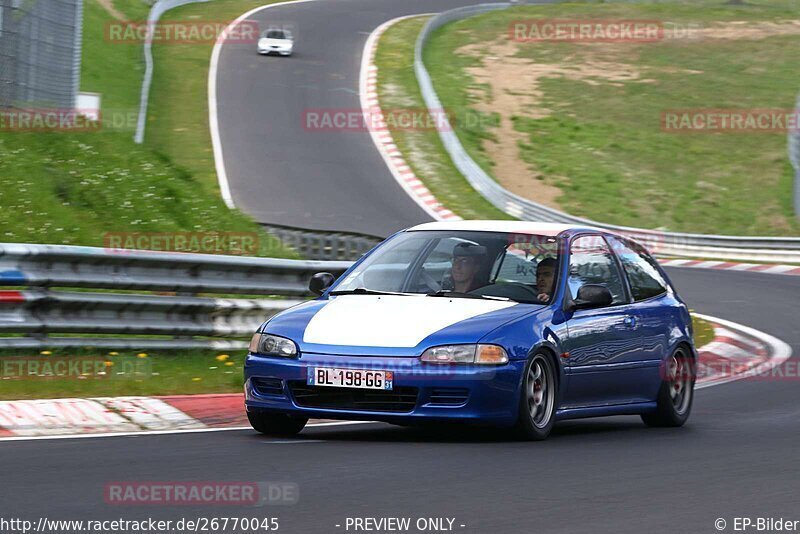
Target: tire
{"points": [[674, 402], [537, 399], [276, 424]]}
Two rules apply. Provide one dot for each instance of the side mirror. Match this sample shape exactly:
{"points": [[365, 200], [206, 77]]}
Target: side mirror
{"points": [[591, 296], [320, 282]]}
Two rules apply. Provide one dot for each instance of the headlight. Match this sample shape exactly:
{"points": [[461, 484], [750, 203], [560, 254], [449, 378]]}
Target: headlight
{"points": [[480, 354], [270, 345]]}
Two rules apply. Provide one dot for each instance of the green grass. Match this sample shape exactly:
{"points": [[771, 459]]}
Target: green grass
{"points": [[703, 332], [70, 188], [423, 149], [603, 145], [75, 187], [34, 376]]}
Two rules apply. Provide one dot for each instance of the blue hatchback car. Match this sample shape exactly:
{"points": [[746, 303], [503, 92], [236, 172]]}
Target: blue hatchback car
{"points": [[513, 324]]}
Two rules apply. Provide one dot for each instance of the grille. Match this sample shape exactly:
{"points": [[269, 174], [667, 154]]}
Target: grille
{"points": [[268, 386], [400, 399], [449, 396]]}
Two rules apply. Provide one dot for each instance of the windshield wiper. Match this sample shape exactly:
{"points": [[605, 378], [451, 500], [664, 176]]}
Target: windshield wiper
{"points": [[460, 295], [365, 291]]}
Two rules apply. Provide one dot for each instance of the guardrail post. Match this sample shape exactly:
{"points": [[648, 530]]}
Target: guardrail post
{"points": [[797, 193], [794, 156]]}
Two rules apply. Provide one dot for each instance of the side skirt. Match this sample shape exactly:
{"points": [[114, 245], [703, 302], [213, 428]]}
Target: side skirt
{"points": [[599, 411]]}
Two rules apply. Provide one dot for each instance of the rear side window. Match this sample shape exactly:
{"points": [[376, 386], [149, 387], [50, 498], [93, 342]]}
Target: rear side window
{"points": [[645, 279], [591, 262]]}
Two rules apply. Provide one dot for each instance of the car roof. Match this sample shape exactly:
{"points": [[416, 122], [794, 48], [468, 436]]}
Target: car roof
{"points": [[515, 227]]}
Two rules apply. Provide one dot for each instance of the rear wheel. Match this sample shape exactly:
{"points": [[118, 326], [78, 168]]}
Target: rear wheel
{"points": [[276, 424], [537, 399], [675, 397]]}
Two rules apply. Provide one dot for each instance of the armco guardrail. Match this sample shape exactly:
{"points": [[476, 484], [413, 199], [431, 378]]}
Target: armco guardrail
{"points": [[40, 307], [778, 249], [156, 12], [326, 246]]}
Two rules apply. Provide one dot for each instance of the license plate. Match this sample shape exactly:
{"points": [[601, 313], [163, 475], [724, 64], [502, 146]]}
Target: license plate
{"points": [[349, 378]]}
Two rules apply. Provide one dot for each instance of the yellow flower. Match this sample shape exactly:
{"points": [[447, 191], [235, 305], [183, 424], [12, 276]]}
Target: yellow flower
{"points": [[113, 353], [196, 379], [45, 353], [229, 363], [109, 363], [222, 357], [142, 355]]}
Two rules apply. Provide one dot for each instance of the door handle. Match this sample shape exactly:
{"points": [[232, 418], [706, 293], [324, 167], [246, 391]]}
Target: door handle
{"points": [[629, 321]]}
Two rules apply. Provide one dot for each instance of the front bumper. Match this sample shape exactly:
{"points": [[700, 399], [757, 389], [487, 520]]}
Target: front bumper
{"points": [[421, 392], [278, 51]]}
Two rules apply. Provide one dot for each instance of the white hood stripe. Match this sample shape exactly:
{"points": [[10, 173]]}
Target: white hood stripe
{"points": [[390, 320]]}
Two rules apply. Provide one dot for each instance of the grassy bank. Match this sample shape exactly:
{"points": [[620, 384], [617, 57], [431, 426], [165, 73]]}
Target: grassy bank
{"points": [[579, 124]]}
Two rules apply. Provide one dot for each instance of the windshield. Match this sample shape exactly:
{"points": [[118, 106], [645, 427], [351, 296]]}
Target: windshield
{"points": [[520, 267], [274, 34]]}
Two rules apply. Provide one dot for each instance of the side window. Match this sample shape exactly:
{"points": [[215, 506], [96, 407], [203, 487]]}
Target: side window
{"points": [[591, 262], [645, 279]]}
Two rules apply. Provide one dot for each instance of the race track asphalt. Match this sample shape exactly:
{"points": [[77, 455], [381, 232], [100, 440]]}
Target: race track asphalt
{"points": [[735, 457]]}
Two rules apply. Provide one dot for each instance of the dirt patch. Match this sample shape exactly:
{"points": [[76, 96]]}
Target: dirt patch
{"points": [[397, 96], [514, 89], [108, 5]]}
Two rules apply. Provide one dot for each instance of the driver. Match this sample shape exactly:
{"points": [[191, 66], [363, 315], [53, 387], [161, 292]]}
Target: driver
{"points": [[467, 261], [545, 278]]}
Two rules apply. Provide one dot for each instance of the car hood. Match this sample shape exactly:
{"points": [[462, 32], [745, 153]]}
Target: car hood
{"points": [[391, 325]]}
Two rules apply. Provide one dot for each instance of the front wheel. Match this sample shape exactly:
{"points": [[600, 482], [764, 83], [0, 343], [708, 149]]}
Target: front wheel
{"points": [[276, 424], [675, 397], [537, 399]]}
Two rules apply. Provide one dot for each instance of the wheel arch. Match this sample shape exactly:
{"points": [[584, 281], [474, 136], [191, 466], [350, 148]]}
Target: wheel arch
{"points": [[685, 343], [558, 364]]}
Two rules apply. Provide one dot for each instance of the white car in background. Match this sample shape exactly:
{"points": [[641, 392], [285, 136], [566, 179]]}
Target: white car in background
{"points": [[276, 41]]}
